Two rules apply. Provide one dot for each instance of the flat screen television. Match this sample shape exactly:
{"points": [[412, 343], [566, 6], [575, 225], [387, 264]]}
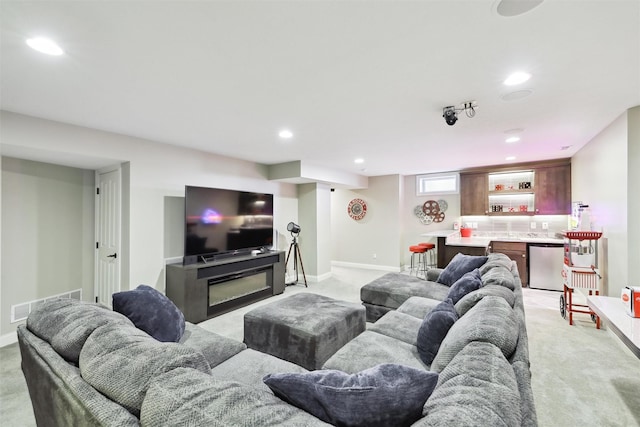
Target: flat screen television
{"points": [[221, 223]]}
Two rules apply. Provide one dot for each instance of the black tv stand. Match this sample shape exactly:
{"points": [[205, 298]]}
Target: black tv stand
{"points": [[208, 289]]}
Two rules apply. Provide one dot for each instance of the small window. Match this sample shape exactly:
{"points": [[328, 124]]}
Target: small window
{"points": [[440, 183]]}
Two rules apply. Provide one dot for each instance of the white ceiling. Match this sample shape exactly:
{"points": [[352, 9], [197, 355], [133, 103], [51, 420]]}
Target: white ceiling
{"points": [[350, 78]]}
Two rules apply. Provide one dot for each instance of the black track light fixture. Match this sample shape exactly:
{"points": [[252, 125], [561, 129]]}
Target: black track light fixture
{"points": [[450, 113]]}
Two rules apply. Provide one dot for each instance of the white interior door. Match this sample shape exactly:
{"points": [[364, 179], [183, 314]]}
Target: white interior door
{"points": [[107, 276]]}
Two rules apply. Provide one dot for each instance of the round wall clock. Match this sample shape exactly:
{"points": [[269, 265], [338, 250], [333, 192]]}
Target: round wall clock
{"points": [[357, 209]]}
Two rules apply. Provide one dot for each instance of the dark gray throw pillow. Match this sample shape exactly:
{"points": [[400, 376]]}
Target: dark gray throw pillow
{"points": [[434, 328], [384, 395], [152, 312], [458, 266], [469, 282]]}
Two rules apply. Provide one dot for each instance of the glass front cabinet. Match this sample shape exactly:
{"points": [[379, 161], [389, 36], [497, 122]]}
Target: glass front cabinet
{"points": [[512, 193], [538, 190]]}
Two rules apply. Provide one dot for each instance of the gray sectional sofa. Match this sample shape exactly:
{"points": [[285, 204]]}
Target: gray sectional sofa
{"points": [[87, 365]]}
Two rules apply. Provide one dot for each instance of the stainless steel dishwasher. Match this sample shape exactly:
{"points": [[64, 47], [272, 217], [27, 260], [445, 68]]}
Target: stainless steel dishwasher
{"points": [[545, 266]]}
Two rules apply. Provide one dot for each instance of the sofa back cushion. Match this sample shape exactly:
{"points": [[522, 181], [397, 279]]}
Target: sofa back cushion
{"points": [[67, 323], [478, 384], [458, 266], [188, 397], [472, 298], [499, 275], [120, 362], [215, 348], [490, 320]]}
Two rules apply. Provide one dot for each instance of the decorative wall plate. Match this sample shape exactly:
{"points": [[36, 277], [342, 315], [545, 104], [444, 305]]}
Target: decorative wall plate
{"points": [[426, 220], [439, 217], [430, 207], [431, 211], [357, 209]]}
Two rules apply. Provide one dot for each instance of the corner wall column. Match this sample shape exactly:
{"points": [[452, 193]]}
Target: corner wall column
{"points": [[314, 215]]}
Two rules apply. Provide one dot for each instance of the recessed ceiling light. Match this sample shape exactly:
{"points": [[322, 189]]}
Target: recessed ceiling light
{"points": [[359, 160], [44, 45], [285, 133], [517, 78], [512, 139], [510, 158]]}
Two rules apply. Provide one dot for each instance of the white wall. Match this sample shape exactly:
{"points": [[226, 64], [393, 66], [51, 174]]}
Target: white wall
{"points": [[48, 237], [314, 207], [414, 228], [599, 178], [155, 171], [379, 233], [633, 195]]}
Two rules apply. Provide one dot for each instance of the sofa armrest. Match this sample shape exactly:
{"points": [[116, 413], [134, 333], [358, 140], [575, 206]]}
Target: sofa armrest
{"points": [[215, 348]]}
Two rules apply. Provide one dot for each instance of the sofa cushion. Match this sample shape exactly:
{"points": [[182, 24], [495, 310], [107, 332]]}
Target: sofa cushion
{"points": [[120, 361], [458, 266], [370, 349], [187, 397], [434, 328], [469, 282], [490, 320], [215, 348], [478, 384], [418, 307], [400, 326], [496, 259], [152, 312], [66, 324], [472, 298], [250, 366], [380, 396], [500, 276]]}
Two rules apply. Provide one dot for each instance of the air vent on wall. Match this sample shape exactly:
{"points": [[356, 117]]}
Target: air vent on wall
{"points": [[21, 311]]}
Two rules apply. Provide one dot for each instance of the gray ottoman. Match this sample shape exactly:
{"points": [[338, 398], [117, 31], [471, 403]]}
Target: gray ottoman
{"points": [[305, 328]]}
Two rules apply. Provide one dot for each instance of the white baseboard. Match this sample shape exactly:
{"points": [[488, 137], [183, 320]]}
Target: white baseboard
{"points": [[366, 266], [8, 339]]}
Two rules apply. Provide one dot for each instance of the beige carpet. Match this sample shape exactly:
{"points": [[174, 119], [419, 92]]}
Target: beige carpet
{"points": [[581, 376]]}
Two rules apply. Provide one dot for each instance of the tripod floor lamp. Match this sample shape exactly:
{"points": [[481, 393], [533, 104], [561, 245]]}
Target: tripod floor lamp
{"points": [[294, 229]]}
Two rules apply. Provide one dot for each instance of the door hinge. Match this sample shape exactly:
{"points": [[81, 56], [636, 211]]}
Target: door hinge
{"points": [[96, 300], [98, 191], [97, 245]]}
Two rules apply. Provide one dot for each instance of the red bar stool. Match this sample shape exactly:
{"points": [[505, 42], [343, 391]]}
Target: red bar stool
{"points": [[418, 252], [430, 255]]}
